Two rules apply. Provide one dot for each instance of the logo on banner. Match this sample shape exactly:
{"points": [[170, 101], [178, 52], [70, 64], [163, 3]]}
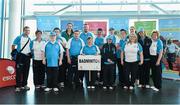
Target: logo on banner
{"points": [[11, 71]]}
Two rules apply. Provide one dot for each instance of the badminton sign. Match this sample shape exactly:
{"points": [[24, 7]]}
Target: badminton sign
{"points": [[89, 62]]}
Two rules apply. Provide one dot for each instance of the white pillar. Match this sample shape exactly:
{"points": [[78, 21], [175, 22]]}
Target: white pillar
{"points": [[14, 22]]}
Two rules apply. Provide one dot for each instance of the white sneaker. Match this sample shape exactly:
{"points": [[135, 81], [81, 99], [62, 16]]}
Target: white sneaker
{"points": [[37, 87], [147, 86], [47, 89], [139, 86], [125, 87], [131, 88], [25, 88], [55, 89], [17, 89], [89, 87], [62, 84], [111, 88], [92, 87], [42, 86], [156, 89], [104, 87], [152, 87]]}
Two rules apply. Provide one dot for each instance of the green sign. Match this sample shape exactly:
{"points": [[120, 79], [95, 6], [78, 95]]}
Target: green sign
{"points": [[148, 26]]}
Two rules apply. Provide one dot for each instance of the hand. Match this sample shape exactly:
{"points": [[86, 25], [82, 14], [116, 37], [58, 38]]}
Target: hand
{"points": [[69, 60], [140, 63], [44, 61], [109, 60], [60, 62], [122, 62], [157, 63]]}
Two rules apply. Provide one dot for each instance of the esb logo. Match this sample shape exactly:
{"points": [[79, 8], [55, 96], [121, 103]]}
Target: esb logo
{"points": [[10, 70]]}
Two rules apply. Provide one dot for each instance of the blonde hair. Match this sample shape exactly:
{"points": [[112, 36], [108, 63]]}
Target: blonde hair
{"points": [[133, 35], [155, 31]]}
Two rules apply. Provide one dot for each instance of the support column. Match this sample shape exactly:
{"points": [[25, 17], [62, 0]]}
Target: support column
{"points": [[14, 22]]}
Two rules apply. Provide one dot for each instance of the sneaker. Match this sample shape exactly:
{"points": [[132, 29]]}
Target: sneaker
{"points": [[47, 89], [147, 86], [125, 87], [92, 87], [152, 87], [42, 86], [131, 88], [37, 87], [111, 88], [137, 82], [139, 86], [25, 88], [156, 89], [89, 87], [104, 87], [62, 84], [17, 89], [55, 89]]}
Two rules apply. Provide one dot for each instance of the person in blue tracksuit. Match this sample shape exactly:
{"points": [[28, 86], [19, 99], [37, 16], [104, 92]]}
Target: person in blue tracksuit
{"points": [[63, 68], [86, 33], [108, 58], [90, 49], [52, 58], [156, 53], [129, 59], [73, 49], [123, 40], [38, 66], [99, 41], [144, 69], [23, 60]]}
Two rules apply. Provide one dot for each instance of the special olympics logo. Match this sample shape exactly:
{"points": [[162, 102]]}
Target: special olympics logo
{"points": [[10, 69]]}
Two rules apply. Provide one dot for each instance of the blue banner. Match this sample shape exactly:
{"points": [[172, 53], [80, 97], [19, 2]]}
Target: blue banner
{"points": [[77, 24], [170, 28], [119, 23], [47, 23]]}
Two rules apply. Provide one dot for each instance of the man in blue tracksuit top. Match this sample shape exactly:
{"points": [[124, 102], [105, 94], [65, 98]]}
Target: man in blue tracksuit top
{"points": [[85, 34], [23, 60], [73, 49], [90, 49], [53, 55]]}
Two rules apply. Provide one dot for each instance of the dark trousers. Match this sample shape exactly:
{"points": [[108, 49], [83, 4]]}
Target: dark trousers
{"points": [[144, 73], [171, 59], [90, 77], [108, 75], [130, 69], [52, 77], [72, 74], [121, 72], [114, 73], [63, 71], [81, 75], [156, 72], [38, 72], [22, 71]]}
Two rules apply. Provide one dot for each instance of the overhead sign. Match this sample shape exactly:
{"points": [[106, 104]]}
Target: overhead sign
{"points": [[89, 62]]}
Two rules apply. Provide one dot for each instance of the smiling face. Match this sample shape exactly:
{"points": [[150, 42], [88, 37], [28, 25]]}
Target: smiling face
{"points": [[133, 38], [38, 35], [123, 33], [26, 31], [154, 35], [76, 34], [90, 41], [69, 26], [86, 28]]}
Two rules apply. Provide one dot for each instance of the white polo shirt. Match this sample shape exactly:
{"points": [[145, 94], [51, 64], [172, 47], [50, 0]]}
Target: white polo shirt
{"points": [[37, 46]]}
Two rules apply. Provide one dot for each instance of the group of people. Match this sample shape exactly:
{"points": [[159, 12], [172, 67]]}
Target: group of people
{"points": [[57, 58]]}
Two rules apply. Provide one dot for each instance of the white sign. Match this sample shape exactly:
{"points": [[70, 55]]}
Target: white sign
{"points": [[89, 62]]}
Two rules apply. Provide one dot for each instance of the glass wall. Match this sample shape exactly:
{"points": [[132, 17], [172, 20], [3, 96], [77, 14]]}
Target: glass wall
{"points": [[1, 24]]}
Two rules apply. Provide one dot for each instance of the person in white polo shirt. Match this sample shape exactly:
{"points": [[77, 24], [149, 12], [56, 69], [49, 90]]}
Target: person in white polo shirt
{"points": [[38, 66], [129, 59]]}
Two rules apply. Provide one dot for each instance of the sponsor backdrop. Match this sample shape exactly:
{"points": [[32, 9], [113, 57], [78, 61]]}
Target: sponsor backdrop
{"points": [[170, 28]]}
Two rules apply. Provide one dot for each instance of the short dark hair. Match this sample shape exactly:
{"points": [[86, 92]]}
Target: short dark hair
{"points": [[70, 23], [56, 28], [89, 38], [38, 31], [76, 31], [123, 30], [99, 29], [26, 27]]}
